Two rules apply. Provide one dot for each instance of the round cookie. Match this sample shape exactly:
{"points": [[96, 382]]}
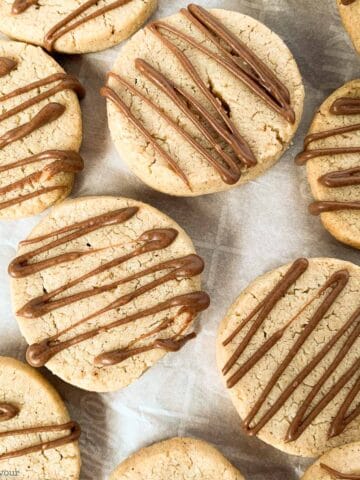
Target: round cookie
{"points": [[289, 353], [37, 438], [177, 459], [74, 26], [40, 130], [331, 153], [339, 463], [350, 15], [188, 115], [102, 288]]}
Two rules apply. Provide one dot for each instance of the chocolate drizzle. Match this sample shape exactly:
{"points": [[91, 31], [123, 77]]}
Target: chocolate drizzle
{"points": [[71, 21], [339, 178], [6, 66], [347, 2], [339, 475], [149, 241], [8, 411], [237, 59], [72, 436], [63, 161], [308, 410]]}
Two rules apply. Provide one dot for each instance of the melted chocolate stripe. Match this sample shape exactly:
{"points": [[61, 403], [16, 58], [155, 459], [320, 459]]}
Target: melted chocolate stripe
{"points": [[6, 66], [229, 175], [240, 54], [184, 102], [339, 475], [36, 193], [110, 94], [8, 411], [338, 178], [48, 114], [336, 284], [67, 25], [20, 267], [347, 2], [39, 354], [74, 434]]}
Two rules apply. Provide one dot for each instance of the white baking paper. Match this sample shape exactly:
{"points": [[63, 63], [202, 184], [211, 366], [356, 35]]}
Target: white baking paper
{"points": [[241, 234]]}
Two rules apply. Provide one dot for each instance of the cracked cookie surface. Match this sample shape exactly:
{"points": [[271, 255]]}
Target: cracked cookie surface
{"points": [[187, 114], [102, 288], [350, 15], [331, 154], [289, 352], [40, 130], [342, 463], [74, 26], [28, 401], [177, 459]]}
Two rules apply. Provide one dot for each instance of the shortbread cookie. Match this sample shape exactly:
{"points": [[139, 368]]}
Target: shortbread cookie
{"points": [[342, 463], [177, 459], [37, 438], [103, 288], [202, 101], [332, 150], [40, 130], [350, 15], [289, 351], [74, 26]]}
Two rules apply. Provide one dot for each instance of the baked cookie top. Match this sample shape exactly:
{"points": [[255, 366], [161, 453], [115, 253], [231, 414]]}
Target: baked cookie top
{"points": [[177, 459], [74, 26], [203, 100], [40, 130], [289, 352], [342, 463], [102, 288], [350, 15], [37, 438], [332, 150]]}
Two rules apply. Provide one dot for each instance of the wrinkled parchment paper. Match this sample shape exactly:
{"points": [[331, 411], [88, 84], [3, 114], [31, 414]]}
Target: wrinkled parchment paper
{"points": [[241, 234]]}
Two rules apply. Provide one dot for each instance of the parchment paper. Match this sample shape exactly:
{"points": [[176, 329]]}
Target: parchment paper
{"points": [[241, 234]]}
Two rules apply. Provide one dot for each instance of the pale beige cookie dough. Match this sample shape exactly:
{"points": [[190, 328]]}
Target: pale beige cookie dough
{"points": [[344, 224], [265, 130], [177, 459], [28, 187], [350, 15], [339, 463], [271, 350], [84, 25], [136, 281], [34, 403]]}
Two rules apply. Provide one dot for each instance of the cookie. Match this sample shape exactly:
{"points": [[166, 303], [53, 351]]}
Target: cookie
{"points": [[103, 288], [288, 350], [40, 130], [73, 26], [331, 154], [177, 459], [350, 15], [340, 463], [202, 101], [37, 438]]}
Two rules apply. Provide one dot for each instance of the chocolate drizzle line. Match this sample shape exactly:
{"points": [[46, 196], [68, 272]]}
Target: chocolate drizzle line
{"points": [[72, 427], [63, 161], [149, 241], [8, 411], [347, 2], [239, 61], [303, 418], [339, 475], [338, 178], [6, 66], [71, 21]]}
